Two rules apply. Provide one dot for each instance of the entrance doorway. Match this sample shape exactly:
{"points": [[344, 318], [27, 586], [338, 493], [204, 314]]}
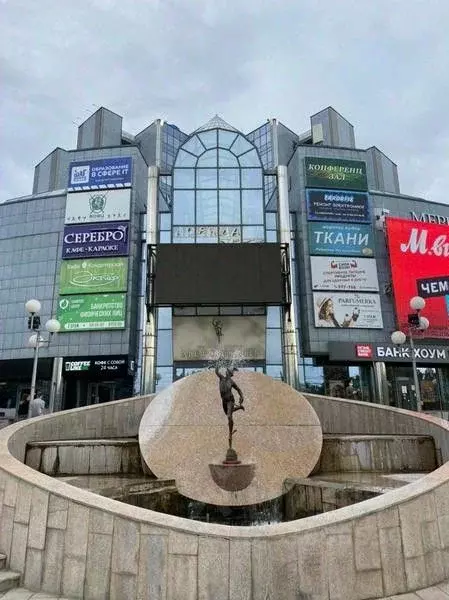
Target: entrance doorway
{"points": [[101, 391], [405, 393]]}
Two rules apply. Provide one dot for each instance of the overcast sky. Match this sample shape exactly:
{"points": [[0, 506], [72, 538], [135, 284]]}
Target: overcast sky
{"points": [[383, 64]]}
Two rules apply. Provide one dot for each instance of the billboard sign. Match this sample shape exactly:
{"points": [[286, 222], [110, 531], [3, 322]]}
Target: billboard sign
{"points": [[115, 366], [347, 310], [335, 173], [97, 206], [90, 275], [344, 274], [419, 260], [337, 205], [99, 174], [92, 312], [225, 337], [341, 239], [94, 241], [423, 353]]}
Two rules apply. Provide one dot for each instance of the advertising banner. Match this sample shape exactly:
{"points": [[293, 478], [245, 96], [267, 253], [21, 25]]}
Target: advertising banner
{"points": [[97, 366], [335, 173], [423, 353], [211, 338], [419, 260], [90, 275], [328, 205], [357, 311], [341, 239], [344, 274], [92, 312], [94, 241], [100, 174], [94, 207]]}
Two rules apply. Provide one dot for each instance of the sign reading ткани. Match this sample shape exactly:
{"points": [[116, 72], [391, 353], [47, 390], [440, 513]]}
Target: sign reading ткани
{"points": [[335, 173]]}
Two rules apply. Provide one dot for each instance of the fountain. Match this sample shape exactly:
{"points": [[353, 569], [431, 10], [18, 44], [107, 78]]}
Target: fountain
{"points": [[181, 433]]}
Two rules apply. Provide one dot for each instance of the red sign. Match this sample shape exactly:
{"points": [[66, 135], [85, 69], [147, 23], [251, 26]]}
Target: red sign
{"points": [[363, 351], [419, 259]]}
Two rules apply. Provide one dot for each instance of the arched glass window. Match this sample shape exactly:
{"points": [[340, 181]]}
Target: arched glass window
{"points": [[218, 190]]}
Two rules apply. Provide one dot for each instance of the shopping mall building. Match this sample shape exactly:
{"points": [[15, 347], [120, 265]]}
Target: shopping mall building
{"points": [[163, 252]]}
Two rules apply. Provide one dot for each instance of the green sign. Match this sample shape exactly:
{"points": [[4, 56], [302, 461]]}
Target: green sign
{"points": [[92, 312], [90, 275], [335, 173]]}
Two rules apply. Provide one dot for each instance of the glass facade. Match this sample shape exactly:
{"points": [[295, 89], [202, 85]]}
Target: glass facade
{"points": [[218, 193]]}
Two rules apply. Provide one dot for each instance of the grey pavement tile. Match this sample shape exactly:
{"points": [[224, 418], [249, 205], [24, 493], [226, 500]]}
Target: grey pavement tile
{"points": [[444, 587], [410, 596], [16, 594], [432, 593]]}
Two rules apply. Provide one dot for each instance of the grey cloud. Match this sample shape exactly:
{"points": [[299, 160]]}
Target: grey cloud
{"points": [[381, 64]]}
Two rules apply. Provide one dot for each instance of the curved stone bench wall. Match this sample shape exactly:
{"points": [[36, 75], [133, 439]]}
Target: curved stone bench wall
{"points": [[68, 541]]}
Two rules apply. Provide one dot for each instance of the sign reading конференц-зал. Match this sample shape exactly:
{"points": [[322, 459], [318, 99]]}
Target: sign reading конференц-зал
{"points": [[335, 173], [92, 312]]}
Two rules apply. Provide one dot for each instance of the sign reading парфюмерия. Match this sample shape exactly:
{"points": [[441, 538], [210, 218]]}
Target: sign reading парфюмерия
{"points": [[335, 173]]}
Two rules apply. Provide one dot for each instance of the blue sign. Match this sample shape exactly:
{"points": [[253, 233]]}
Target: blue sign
{"points": [[338, 205], [341, 239], [105, 173], [95, 240]]}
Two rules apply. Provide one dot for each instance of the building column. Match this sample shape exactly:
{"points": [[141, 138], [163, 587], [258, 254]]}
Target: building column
{"points": [[289, 338], [147, 385], [55, 401], [380, 381]]}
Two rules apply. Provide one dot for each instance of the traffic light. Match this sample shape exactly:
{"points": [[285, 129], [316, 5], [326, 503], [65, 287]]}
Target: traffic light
{"points": [[34, 322]]}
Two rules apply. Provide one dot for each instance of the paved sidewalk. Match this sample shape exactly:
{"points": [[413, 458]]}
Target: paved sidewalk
{"points": [[437, 592]]}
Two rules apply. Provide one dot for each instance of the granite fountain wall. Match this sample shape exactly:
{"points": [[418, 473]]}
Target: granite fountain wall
{"points": [[68, 541]]}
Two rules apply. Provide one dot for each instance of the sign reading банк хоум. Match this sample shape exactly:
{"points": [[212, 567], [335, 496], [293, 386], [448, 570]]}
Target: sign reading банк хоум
{"points": [[335, 173], [92, 312]]}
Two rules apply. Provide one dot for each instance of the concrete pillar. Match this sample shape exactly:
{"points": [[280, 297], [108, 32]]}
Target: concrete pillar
{"points": [[289, 339], [149, 330], [55, 402], [381, 385]]}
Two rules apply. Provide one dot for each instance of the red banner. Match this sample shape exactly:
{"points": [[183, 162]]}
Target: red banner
{"points": [[419, 259]]}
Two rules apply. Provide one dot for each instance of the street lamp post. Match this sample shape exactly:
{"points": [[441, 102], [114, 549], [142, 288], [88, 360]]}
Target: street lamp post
{"points": [[36, 340], [416, 323]]}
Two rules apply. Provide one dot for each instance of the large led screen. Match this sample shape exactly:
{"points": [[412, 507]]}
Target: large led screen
{"points": [[218, 274], [419, 259]]}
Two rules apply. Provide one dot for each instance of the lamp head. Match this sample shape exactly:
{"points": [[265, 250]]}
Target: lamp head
{"points": [[423, 323], [53, 326], [398, 337], [33, 306], [417, 303]]}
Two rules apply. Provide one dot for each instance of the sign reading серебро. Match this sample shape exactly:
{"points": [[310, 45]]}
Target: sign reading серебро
{"points": [[95, 240]]}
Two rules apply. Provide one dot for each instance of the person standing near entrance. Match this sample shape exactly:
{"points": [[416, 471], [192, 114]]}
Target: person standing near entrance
{"points": [[37, 405]]}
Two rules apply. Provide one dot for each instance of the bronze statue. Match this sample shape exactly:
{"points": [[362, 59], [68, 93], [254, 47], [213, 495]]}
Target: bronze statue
{"points": [[226, 385]]}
